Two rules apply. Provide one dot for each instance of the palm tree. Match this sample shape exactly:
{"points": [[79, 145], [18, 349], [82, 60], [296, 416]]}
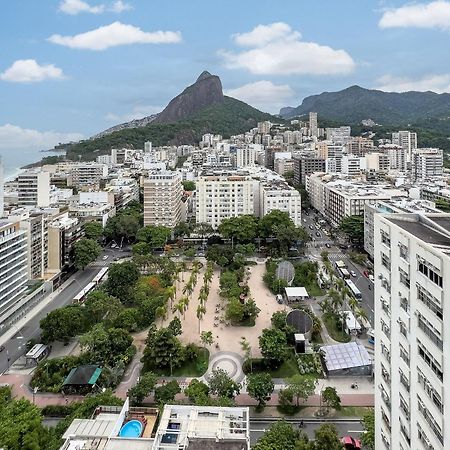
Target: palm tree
{"points": [[360, 314], [201, 310], [178, 307], [247, 349], [171, 293], [353, 303], [335, 300]]}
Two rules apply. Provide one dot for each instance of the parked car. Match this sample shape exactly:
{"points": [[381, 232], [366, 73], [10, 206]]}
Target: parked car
{"points": [[366, 273], [279, 299], [352, 273], [371, 278], [311, 227], [2, 347], [327, 245], [351, 443], [317, 234]]}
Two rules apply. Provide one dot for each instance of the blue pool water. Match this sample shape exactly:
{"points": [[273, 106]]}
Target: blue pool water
{"points": [[133, 428]]}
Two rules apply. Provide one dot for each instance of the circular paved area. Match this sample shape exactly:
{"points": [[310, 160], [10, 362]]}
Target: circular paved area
{"points": [[228, 361]]}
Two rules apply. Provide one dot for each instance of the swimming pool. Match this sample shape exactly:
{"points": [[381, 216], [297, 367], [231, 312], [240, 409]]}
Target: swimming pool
{"points": [[133, 428]]}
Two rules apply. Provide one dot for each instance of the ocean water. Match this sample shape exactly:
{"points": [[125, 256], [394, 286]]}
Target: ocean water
{"points": [[14, 160]]}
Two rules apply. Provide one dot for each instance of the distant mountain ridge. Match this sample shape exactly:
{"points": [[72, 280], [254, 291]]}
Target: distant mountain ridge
{"points": [[201, 108], [353, 104]]}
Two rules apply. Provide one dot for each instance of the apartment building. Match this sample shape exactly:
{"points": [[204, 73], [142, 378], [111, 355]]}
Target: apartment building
{"points": [[412, 298], [306, 165], [337, 197], [352, 165], [359, 146], [279, 195], [221, 196], [63, 232], [407, 140], [33, 188], [377, 162], [162, 199], [264, 127], [85, 175], [396, 155], [283, 165], [427, 163], [13, 264], [339, 135], [313, 130], [395, 205], [36, 227], [245, 156]]}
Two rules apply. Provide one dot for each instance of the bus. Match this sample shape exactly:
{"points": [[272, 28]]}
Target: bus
{"points": [[353, 289], [345, 274], [101, 275], [81, 296]]}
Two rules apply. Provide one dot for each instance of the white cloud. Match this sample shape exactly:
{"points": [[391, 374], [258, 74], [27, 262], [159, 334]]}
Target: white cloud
{"points": [[114, 35], [138, 112], [435, 14], [435, 83], [13, 137], [120, 6], [263, 95], [276, 49], [74, 7], [29, 71]]}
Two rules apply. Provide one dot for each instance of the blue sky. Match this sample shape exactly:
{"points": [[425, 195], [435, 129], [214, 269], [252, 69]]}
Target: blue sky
{"points": [[59, 83]]}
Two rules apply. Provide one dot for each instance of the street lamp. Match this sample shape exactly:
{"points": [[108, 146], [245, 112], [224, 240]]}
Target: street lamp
{"points": [[170, 360], [35, 390]]}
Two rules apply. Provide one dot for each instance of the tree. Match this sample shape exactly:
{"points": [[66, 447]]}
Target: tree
{"points": [[128, 319], [141, 248], [121, 280], [234, 310], [301, 387], [182, 229], [163, 349], [206, 338], [93, 230], [247, 349], [260, 386], [203, 229], [250, 310], [99, 306], [239, 229], [124, 225], [368, 436], [197, 392], [280, 436], [155, 236], [275, 220], [62, 324], [273, 345], [326, 438], [221, 384], [166, 393], [85, 251], [331, 398], [143, 388], [201, 311], [106, 347], [175, 326], [353, 227], [189, 185], [324, 255]]}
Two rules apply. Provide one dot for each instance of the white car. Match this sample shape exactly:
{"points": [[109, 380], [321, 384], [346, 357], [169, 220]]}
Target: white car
{"points": [[105, 257], [371, 278], [352, 273]]}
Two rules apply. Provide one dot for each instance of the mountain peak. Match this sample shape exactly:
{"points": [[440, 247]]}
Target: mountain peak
{"points": [[205, 74]]}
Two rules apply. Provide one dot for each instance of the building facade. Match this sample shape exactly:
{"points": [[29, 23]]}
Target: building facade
{"points": [[33, 188], [220, 197], [427, 163], [412, 300], [13, 264], [162, 199], [304, 166]]}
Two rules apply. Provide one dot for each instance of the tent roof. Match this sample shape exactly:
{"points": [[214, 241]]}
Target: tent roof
{"points": [[83, 375]]}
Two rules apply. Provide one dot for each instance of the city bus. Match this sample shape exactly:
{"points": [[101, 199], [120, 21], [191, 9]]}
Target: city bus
{"points": [[353, 289], [81, 296], [345, 274], [341, 269], [101, 275]]}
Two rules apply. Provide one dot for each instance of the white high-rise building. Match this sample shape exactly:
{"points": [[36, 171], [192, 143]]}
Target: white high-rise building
{"points": [[147, 147], [313, 130], [222, 196], [264, 127], [412, 303], [396, 155], [339, 135], [162, 198], [407, 140], [13, 264], [427, 163], [34, 188], [245, 156], [2, 192]]}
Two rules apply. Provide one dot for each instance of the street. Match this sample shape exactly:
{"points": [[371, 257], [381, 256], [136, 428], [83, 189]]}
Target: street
{"points": [[345, 427], [16, 346], [318, 244]]}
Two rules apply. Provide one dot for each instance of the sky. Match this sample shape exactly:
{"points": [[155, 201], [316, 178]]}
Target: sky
{"points": [[72, 68]]}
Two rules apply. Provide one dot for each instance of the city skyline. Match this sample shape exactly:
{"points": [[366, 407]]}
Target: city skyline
{"points": [[147, 53]]}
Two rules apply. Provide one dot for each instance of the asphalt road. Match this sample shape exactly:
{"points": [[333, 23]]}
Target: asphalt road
{"points": [[16, 346], [318, 244], [345, 427]]}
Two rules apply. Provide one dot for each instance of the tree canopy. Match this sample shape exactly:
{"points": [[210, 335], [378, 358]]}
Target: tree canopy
{"points": [[241, 228], [260, 386], [93, 230], [85, 251], [353, 227]]}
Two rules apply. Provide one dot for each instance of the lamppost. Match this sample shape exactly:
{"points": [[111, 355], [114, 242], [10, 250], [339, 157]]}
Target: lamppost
{"points": [[35, 390], [170, 360]]}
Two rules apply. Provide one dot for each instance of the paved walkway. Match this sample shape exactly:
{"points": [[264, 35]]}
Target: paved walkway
{"points": [[228, 361]]}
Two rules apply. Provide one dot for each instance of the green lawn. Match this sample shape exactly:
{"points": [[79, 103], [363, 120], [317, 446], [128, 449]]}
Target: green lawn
{"points": [[286, 370], [334, 331], [195, 368]]}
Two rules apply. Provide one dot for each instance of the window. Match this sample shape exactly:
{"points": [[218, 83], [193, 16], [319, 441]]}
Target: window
{"points": [[385, 261], [403, 379], [385, 238], [430, 273], [430, 330], [403, 250], [430, 390], [429, 359], [429, 418], [404, 277], [404, 354], [429, 300]]}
